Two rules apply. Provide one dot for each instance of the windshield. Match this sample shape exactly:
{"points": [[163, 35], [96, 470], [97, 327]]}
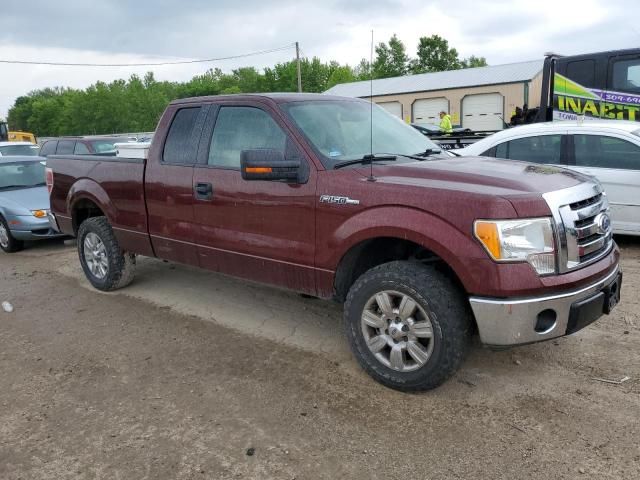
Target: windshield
{"points": [[29, 150], [21, 175], [103, 146], [341, 130]]}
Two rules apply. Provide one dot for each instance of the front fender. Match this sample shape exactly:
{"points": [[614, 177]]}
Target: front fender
{"points": [[458, 249]]}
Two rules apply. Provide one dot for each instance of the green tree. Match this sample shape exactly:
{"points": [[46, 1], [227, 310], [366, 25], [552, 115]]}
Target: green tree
{"points": [[473, 62], [434, 55], [340, 74], [391, 59], [362, 70], [20, 113], [136, 104]]}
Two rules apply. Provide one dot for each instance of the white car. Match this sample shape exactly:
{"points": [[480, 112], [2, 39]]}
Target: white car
{"points": [[18, 148], [607, 150]]}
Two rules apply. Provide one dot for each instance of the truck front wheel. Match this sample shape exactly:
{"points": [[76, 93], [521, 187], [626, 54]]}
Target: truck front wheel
{"points": [[408, 325], [104, 263]]}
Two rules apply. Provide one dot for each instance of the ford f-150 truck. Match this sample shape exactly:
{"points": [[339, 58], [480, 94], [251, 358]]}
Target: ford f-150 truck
{"points": [[337, 199]]}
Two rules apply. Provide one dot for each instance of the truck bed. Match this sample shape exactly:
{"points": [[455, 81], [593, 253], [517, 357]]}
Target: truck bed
{"points": [[113, 181]]}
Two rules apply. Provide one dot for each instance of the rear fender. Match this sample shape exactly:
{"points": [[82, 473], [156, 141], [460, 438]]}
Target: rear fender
{"points": [[87, 189]]}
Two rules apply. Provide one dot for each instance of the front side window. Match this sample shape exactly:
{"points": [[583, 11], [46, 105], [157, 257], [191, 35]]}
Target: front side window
{"points": [[341, 130], [606, 152], [537, 149], [243, 128], [626, 76], [180, 148]]}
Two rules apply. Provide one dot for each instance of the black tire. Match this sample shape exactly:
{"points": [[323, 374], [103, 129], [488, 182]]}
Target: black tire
{"points": [[445, 306], [120, 265], [11, 245]]}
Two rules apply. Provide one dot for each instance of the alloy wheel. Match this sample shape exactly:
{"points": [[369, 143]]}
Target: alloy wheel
{"points": [[95, 255], [397, 330]]}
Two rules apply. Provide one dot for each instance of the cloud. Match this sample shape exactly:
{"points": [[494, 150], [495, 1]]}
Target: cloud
{"points": [[76, 30]]}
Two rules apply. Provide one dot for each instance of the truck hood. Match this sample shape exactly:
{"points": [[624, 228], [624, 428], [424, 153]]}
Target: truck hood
{"points": [[21, 202], [505, 178]]}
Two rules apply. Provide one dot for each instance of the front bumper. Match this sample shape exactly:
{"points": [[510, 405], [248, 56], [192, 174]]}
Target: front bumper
{"points": [[32, 228], [507, 322]]}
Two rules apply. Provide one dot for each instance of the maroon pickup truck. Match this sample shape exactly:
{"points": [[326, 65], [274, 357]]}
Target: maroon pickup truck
{"points": [[333, 198]]}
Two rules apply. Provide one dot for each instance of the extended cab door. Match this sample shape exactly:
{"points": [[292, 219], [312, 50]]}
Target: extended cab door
{"points": [[261, 230], [168, 183]]}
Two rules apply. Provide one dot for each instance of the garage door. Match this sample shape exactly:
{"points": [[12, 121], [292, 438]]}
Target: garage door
{"points": [[394, 108], [427, 110], [483, 111]]}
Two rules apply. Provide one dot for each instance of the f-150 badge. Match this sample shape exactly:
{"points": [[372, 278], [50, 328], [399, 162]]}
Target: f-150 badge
{"points": [[338, 200]]}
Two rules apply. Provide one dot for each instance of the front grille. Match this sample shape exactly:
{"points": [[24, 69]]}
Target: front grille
{"points": [[587, 237], [585, 203], [582, 220]]}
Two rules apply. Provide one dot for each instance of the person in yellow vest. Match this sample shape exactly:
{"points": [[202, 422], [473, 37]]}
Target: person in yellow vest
{"points": [[445, 122]]}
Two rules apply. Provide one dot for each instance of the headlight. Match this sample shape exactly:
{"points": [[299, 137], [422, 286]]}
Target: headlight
{"points": [[525, 240], [39, 213]]}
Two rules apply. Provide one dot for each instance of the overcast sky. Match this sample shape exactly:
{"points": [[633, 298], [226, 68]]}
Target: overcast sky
{"points": [[122, 31]]}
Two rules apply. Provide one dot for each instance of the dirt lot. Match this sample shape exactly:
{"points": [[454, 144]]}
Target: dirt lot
{"points": [[184, 372]]}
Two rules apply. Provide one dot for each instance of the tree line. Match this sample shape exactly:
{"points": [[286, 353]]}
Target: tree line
{"points": [[135, 105]]}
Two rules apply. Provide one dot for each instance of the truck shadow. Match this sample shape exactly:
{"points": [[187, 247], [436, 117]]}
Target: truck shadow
{"points": [[316, 325]]}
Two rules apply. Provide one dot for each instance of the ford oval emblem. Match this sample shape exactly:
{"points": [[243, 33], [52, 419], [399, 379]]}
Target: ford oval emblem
{"points": [[603, 222]]}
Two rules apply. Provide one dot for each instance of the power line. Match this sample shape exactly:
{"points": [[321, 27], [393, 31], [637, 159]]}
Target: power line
{"points": [[181, 62]]}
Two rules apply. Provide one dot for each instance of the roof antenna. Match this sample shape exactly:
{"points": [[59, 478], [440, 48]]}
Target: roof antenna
{"points": [[371, 177]]}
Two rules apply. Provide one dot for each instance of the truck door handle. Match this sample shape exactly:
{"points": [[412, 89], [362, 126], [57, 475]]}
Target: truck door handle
{"points": [[204, 191]]}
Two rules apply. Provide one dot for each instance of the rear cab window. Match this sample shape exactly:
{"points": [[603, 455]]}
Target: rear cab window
{"points": [[180, 147]]}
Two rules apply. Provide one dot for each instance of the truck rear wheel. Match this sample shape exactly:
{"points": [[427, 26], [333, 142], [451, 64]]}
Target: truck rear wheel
{"points": [[105, 265], [408, 325]]}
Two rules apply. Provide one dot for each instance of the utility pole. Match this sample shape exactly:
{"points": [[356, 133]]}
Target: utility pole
{"points": [[298, 64]]}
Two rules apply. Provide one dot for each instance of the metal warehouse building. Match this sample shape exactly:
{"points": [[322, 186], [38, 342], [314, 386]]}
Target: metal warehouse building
{"points": [[477, 98]]}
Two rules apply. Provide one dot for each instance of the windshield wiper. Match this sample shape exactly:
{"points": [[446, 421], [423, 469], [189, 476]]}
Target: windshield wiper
{"points": [[366, 160], [428, 152], [412, 157]]}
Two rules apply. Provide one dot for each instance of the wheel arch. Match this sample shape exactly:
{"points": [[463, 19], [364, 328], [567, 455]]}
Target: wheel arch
{"points": [[86, 199], [370, 252]]}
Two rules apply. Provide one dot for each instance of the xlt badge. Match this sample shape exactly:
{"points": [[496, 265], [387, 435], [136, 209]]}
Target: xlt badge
{"points": [[338, 200]]}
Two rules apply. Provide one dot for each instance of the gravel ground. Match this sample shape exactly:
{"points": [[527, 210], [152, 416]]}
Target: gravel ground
{"points": [[189, 374]]}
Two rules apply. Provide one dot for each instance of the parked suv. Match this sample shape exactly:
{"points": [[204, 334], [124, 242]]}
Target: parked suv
{"points": [[80, 146], [609, 151]]}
